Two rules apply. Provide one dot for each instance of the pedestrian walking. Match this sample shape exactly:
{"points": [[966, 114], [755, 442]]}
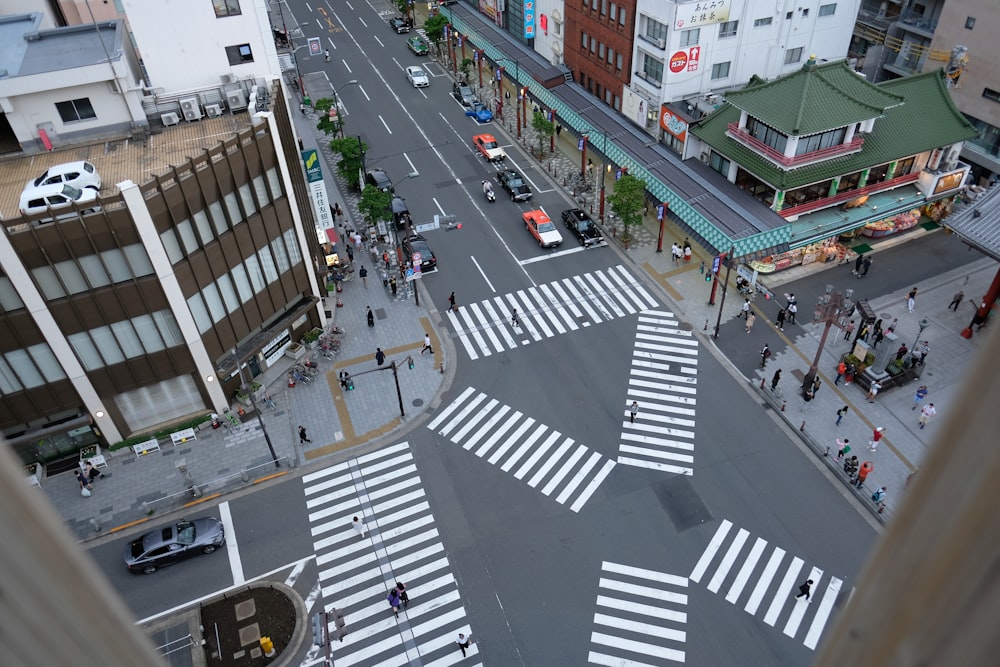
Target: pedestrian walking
{"points": [[867, 264], [463, 642], [303, 438], [268, 401], [514, 322], [751, 318], [817, 383], [675, 253], [401, 592], [451, 302], [879, 498], [911, 299], [876, 438], [358, 524], [863, 473], [358, 240], [633, 410], [370, 316], [841, 372], [339, 213], [745, 308], [775, 379], [877, 338], [765, 354], [925, 349], [393, 286], [843, 447], [427, 344], [363, 273], [956, 300], [892, 326], [873, 390], [901, 352], [857, 264], [394, 601], [848, 330], [840, 414], [687, 251], [85, 486], [302, 108], [558, 130], [793, 308], [926, 414], [350, 253], [780, 321], [919, 396], [386, 259], [326, 55], [804, 590], [379, 356]]}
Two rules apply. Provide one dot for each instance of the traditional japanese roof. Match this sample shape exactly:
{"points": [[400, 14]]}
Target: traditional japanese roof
{"points": [[814, 99], [927, 119]]}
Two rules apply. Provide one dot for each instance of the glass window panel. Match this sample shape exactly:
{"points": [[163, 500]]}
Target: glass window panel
{"points": [[292, 243], [72, 279], [280, 256], [9, 298], [218, 217], [256, 275], [114, 260], [187, 235], [274, 181], [85, 350], [127, 339], [197, 307], [8, 381], [204, 227], [214, 302], [242, 283], [96, 274], [46, 362], [138, 260], [24, 368], [267, 263], [172, 245], [233, 208], [148, 335], [168, 327], [47, 282], [225, 284], [260, 188], [249, 205]]}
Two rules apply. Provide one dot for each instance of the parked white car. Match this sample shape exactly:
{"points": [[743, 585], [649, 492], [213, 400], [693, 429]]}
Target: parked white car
{"points": [[417, 76], [56, 196], [79, 174]]}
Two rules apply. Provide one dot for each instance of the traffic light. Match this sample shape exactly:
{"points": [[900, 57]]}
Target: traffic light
{"points": [[319, 632], [350, 384], [409, 362]]}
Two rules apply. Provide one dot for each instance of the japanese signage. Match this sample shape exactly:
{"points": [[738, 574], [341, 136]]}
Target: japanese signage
{"points": [[685, 61], [315, 46], [490, 8], [672, 124], [529, 19], [702, 12], [317, 189]]}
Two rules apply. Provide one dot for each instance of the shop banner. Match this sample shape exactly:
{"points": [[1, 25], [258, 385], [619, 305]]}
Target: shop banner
{"points": [[317, 189], [672, 124], [701, 12], [529, 19]]}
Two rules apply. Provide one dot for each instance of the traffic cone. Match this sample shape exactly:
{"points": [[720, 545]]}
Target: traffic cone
{"points": [[340, 288], [340, 304]]}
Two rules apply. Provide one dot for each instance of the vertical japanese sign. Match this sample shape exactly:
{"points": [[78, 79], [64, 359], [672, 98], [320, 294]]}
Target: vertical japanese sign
{"points": [[317, 189], [529, 19]]}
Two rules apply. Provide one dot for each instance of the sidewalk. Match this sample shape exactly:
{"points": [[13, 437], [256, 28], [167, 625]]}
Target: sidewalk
{"points": [[136, 488]]}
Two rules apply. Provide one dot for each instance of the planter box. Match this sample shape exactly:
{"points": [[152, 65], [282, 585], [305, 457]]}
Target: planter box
{"points": [[295, 351]]}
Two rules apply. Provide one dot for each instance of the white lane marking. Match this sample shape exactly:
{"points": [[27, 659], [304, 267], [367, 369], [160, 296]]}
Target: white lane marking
{"points": [[710, 550], [346, 66], [365, 93], [799, 610], [362, 22], [784, 590], [232, 546], [743, 576], [551, 255], [822, 613], [384, 124]]}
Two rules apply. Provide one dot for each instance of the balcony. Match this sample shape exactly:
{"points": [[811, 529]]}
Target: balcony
{"points": [[786, 162], [848, 195]]}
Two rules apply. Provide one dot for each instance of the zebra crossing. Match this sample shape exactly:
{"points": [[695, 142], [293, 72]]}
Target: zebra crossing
{"points": [[357, 570], [662, 382], [769, 584], [487, 327], [575, 471], [639, 612]]}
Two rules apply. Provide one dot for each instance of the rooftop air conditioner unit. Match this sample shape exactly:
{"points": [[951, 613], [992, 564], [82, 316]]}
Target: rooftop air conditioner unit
{"points": [[213, 110], [236, 100], [170, 118], [662, 43], [191, 109], [713, 99]]}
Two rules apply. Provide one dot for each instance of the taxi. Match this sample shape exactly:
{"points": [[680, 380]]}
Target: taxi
{"points": [[488, 147], [542, 228]]}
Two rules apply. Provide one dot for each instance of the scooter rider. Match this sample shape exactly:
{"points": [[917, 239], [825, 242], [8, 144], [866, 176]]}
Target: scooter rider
{"points": [[487, 188]]}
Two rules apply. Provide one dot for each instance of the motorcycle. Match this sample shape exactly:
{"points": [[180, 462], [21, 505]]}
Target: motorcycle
{"points": [[488, 191]]}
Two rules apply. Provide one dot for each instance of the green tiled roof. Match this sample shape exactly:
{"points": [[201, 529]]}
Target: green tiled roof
{"points": [[814, 99], [927, 119]]}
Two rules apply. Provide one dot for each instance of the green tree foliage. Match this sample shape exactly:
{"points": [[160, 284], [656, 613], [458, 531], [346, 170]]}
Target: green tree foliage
{"points": [[326, 124], [434, 27], [374, 204], [628, 200], [349, 149], [544, 127], [466, 68]]}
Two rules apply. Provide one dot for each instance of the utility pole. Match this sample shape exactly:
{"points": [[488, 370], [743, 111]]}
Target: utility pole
{"points": [[831, 308], [253, 402]]}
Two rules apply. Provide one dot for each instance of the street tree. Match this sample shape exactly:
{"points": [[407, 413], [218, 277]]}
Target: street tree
{"points": [[374, 204], [545, 129], [326, 124], [350, 150], [434, 27], [628, 201], [466, 69]]}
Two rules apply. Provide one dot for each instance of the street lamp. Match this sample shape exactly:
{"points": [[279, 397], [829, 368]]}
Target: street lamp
{"points": [[517, 87], [831, 308], [409, 232], [336, 103], [253, 402]]}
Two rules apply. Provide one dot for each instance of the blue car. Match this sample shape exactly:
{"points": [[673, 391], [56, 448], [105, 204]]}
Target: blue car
{"points": [[480, 112]]}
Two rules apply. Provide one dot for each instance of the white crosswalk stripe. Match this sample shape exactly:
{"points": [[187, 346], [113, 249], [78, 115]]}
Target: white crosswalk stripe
{"points": [[356, 572], [663, 383], [778, 580], [640, 614], [520, 445], [486, 327]]}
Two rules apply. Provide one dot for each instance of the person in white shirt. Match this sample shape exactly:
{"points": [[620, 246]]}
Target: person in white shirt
{"points": [[926, 414]]}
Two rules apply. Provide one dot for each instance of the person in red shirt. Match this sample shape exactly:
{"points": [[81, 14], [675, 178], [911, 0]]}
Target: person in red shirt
{"points": [[876, 436], [841, 372], [866, 468]]}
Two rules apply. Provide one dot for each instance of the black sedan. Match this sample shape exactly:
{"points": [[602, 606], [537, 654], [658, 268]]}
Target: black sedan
{"points": [[514, 184], [582, 227], [399, 25], [377, 178], [173, 543], [417, 244]]}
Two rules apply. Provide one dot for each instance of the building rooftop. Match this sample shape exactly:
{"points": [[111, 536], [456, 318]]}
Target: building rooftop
{"points": [[123, 159], [24, 50]]}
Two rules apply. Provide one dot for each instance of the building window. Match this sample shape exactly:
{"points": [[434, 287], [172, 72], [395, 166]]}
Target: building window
{"points": [[828, 10], [653, 31], [991, 94], [766, 135], [652, 69], [690, 37], [239, 54], [793, 56], [618, 62], [760, 23], [970, 23], [611, 56], [728, 29], [816, 142], [604, 7], [593, 45], [74, 110], [593, 5], [226, 8], [600, 51], [805, 13], [788, 16], [614, 10], [719, 164], [621, 16], [720, 70], [583, 39]]}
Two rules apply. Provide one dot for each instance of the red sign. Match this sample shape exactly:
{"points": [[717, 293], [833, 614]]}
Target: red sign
{"points": [[673, 123], [678, 62]]}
